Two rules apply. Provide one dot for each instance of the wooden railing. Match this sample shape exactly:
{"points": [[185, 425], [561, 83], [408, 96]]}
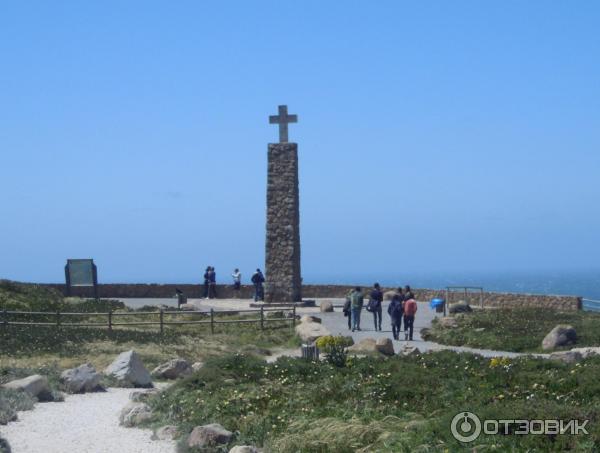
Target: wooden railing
{"points": [[59, 318]]}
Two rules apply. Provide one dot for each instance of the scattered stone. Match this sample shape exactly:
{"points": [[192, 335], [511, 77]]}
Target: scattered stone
{"points": [[408, 350], [133, 414], [197, 365], [310, 318], [586, 352], [561, 335], [448, 322], [385, 346], [208, 435], [460, 307], [128, 369], [243, 449], [173, 369], [168, 432], [141, 396], [82, 379], [326, 306], [310, 331], [36, 386], [4, 446], [567, 356]]}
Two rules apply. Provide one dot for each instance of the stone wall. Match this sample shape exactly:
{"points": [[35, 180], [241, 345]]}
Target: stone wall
{"points": [[124, 290], [282, 262]]}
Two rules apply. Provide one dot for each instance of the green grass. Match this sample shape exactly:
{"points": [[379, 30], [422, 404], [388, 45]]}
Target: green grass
{"points": [[398, 404], [515, 329]]}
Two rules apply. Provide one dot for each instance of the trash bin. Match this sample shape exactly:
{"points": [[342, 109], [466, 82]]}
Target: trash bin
{"points": [[310, 352], [438, 305]]}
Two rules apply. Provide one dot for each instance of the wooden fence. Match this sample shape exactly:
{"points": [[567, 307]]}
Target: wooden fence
{"points": [[60, 318]]}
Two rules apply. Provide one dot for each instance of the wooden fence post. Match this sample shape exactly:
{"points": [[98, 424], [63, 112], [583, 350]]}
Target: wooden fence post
{"points": [[262, 317], [110, 320], [5, 318], [161, 315], [294, 317], [58, 319], [212, 321]]}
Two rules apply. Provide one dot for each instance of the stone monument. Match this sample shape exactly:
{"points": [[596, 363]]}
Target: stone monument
{"points": [[283, 280]]}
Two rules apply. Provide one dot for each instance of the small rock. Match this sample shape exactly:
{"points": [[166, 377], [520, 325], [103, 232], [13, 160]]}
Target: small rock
{"points": [[448, 322], [567, 356], [408, 350], [208, 435], [134, 414], [35, 385], [561, 335], [310, 331], [479, 329], [141, 396], [168, 432], [173, 369], [385, 346], [460, 307], [197, 365], [243, 449], [326, 306], [82, 379], [128, 369], [310, 318], [187, 307]]}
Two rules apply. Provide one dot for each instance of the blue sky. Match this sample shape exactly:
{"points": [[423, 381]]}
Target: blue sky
{"points": [[433, 136]]}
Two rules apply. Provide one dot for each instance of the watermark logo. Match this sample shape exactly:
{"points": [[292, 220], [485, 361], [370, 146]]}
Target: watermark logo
{"points": [[466, 427]]}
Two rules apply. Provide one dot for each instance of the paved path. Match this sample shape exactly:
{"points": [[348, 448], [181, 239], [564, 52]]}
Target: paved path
{"points": [[87, 423]]}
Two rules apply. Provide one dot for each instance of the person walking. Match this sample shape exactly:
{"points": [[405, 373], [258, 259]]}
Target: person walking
{"points": [[356, 305], [375, 300], [410, 310], [257, 280], [395, 311], [206, 282], [237, 281], [212, 284]]}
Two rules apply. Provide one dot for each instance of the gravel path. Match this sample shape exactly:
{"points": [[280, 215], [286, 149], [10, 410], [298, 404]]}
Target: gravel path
{"points": [[87, 423]]}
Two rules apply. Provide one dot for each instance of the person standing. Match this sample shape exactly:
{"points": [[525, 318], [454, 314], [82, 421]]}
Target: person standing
{"points": [[237, 281], [206, 282], [356, 305], [212, 283], [347, 310], [395, 311], [375, 300], [410, 310], [257, 280], [408, 294]]}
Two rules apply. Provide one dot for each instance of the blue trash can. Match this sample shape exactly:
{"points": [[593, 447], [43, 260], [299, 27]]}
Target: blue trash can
{"points": [[438, 305]]}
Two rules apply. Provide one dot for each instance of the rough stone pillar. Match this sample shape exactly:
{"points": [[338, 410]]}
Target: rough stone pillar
{"points": [[283, 281]]}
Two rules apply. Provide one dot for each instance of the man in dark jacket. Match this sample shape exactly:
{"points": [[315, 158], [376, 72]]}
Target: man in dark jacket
{"points": [[376, 298], [395, 311], [257, 280], [206, 282]]}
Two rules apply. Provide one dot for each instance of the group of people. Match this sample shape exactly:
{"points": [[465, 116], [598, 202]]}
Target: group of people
{"points": [[402, 307], [210, 283]]}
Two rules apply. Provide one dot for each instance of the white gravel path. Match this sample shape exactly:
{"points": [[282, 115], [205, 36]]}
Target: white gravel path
{"points": [[87, 423]]}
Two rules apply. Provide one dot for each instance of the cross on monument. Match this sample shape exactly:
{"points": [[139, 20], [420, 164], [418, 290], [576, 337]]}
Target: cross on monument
{"points": [[283, 119]]}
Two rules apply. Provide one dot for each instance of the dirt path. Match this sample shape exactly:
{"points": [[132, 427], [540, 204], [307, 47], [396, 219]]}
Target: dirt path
{"points": [[87, 423]]}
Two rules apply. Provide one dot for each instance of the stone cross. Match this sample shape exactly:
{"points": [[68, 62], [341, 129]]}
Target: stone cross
{"points": [[283, 119]]}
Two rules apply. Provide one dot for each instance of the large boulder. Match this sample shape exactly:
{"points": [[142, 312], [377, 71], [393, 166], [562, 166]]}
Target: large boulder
{"points": [[35, 385], [128, 370], [448, 322], [385, 346], [367, 346], [209, 436], [243, 449], [133, 414], [173, 369], [561, 335], [168, 432], [310, 331], [326, 306], [82, 379], [460, 307]]}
